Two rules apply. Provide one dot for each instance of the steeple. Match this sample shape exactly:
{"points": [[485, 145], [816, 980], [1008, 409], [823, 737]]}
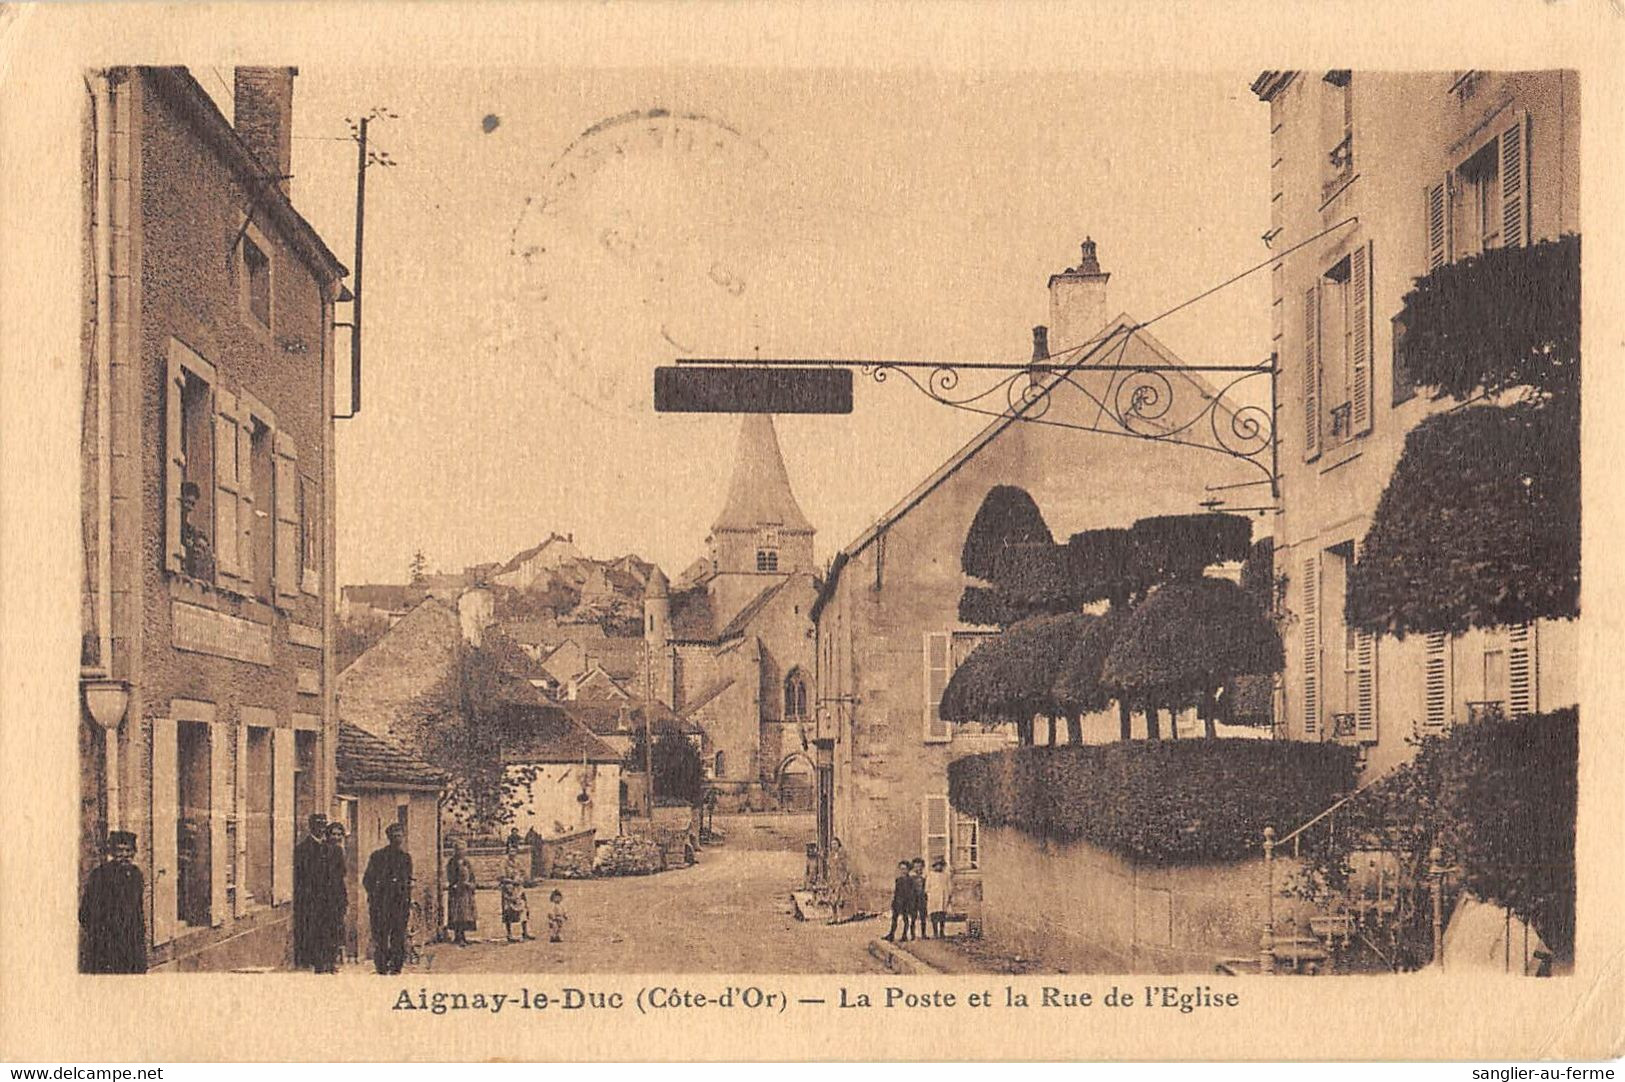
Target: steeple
{"points": [[759, 494]]}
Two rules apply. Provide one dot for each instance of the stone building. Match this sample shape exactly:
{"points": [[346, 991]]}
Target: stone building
{"points": [[888, 629], [1436, 166], [207, 457], [733, 650]]}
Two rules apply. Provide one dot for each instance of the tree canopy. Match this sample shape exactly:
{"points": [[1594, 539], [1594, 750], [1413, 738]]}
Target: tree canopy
{"points": [[1008, 516], [1479, 525], [1188, 638]]}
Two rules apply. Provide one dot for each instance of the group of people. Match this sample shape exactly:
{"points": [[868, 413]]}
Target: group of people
{"points": [[321, 897], [918, 895], [460, 910]]}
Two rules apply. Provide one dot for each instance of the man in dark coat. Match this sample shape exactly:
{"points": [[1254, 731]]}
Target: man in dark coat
{"points": [[332, 899], [309, 874], [112, 926], [388, 882]]}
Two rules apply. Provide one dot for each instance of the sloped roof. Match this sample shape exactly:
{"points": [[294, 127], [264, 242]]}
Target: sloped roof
{"points": [[708, 693], [388, 596], [525, 554], [545, 732], [366, 760], [742, 619], [759, 493], [604, 717]]}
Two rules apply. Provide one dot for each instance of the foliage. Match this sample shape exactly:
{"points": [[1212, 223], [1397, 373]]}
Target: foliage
{"points": [[1148, 800], [1008, 515], [1105, 566], [416, 569], [1034, 578], [1258, 574], [1479, 525], [1168, 547], [986, 606], [1187, 639], [1499, 800], [679, 773], [1506, 319], [1076, 686]]}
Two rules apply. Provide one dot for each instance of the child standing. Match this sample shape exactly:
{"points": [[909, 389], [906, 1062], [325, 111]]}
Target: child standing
{"points": [[556, 917], [515, 906], [902, 904], [917, 873], [937, 886]]}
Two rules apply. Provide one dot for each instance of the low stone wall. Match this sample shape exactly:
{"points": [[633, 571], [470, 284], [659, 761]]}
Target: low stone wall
{"points": [[1080, 909], [577, 847]]}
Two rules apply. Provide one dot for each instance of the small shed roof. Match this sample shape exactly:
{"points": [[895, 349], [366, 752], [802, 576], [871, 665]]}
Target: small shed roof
{"points": [[369, 761]]}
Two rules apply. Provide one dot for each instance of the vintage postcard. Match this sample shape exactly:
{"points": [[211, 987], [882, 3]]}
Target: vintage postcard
{"points": [[696, 532]]}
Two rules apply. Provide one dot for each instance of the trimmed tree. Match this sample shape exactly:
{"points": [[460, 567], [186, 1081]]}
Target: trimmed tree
{"points": [[1008, 516], [1187, 642]]}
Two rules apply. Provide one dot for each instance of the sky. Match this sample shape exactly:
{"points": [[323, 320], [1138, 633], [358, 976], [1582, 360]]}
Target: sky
{"points": [[548, 238]]}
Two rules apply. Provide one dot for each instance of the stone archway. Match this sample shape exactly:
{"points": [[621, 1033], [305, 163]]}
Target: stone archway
{"points": [[795, 783]]}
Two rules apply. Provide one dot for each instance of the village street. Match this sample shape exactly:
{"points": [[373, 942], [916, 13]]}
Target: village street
{"points": [[730, 913]]}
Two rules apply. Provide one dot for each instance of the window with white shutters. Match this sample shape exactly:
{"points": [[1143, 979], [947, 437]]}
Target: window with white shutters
{"points": [[287, 561], [231, 475], [1437, 694], [1365, 687], [1523, 676], [188, 460], [1311, 646], [934, 828], [283, 826], [938, 666], [165, 818], [1514, 187], [239, 856], [967, 843], [1360, 339], [222, 805], [1437, 220]]}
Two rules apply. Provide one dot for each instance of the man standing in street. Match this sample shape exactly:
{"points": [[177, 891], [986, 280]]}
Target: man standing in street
{"points": [[112, 928], [309, 872], [388, 882]]}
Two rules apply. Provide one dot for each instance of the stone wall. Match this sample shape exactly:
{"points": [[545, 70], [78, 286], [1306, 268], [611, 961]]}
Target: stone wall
{"points": [[1081, 909]]}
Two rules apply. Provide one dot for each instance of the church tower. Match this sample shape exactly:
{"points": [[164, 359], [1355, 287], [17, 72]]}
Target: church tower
{"points": [[761, 534]]}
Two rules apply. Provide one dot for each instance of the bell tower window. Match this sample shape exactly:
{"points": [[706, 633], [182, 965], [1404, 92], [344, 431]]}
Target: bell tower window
{"points": [[767, 559]]}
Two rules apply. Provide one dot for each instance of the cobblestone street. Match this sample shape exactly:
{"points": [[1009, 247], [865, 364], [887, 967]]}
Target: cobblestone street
{"points": [[731, 913]]}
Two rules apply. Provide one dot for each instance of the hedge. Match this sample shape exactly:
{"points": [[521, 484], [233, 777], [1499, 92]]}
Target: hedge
{"points": [[1189, 637], [1008, 515], [1178, 802]]}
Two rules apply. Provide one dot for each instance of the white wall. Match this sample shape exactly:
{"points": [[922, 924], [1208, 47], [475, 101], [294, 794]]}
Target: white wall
{"points": [[551, 798]]}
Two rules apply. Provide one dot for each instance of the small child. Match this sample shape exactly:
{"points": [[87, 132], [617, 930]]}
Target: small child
{"points": [[902, 905], [556, 917], [515, 906], [937, 887]]}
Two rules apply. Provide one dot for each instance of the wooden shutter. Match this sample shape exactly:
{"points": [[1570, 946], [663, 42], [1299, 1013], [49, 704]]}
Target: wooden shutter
{"points": [[240, 811], [1438, 223], [283, 826], [245, 495], [1365, 687], [221, 806], [1311, 373], [165, 814], [226, 485], [1515, 183], [1523, 671], [937, 668], [285, 496], [1360, 313], [174, 463], [1311, 645], [934, 828], [1436, 694]]}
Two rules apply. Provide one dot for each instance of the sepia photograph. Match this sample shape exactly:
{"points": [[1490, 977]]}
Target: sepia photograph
{"points": [[859, 529]]}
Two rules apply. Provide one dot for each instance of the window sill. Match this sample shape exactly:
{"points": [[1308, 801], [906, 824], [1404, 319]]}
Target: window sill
{"points": [[219, 598], [1331, 190], [1339, 456]]}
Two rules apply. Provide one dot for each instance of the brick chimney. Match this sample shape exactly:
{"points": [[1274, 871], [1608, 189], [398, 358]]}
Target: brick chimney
{"points": [[1040, 354], [264, 116], [1077, 301]]}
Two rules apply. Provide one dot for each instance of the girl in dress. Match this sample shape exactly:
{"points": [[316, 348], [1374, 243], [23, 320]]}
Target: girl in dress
{"points": [[460, 894], [515, 906]]}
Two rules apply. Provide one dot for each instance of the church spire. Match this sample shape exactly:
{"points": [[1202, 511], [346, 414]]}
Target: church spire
{"points": [[759, 494]]}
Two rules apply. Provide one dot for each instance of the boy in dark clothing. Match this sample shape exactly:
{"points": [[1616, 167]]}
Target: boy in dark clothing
{"points": [[917, 874], [902, 902]]}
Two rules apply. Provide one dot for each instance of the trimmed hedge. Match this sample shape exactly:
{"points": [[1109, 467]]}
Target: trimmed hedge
{"points": [[1188, 638], [1178, 802], [1008, 515], [1180, 546]]}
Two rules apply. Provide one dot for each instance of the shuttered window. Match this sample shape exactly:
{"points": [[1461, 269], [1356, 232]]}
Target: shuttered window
{"points": [[188, 455], [222, 805], [1311, 646], [934, 828], [938, 666], [287, 563], [1365, 687], [1523, 676], [1437, 694], [283, 826], [1360, 339], [239, 856], [1437, 223], [1311, 373], [165, 819], [1514, 186], [231, 477]]}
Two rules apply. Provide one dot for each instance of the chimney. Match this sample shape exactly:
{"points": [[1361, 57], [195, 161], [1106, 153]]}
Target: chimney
{"points": [[1040, 354], [1077, 301], [264, 116]]}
